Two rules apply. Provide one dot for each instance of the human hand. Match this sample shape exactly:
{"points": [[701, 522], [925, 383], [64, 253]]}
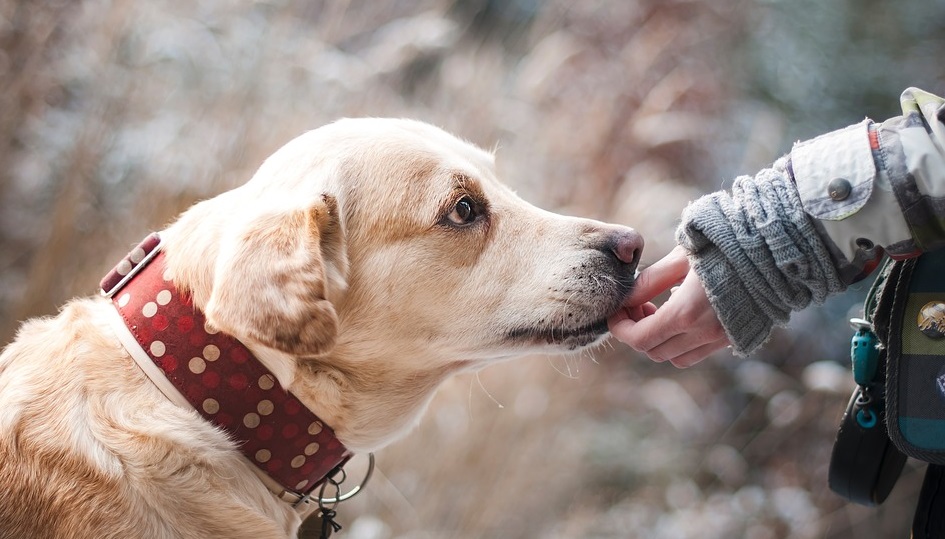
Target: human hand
{"points": [[684, 330]]}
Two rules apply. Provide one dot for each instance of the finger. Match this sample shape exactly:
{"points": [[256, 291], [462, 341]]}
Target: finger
{"points": [[663, 274], [692, 357], [622, 314], [691, 337], [687, 349], [647, 333], [648, 309], [621, 326], [639, 312], [634, 314]]}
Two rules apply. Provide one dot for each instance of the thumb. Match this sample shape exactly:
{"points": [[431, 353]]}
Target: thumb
{"points": [[661, 276]]}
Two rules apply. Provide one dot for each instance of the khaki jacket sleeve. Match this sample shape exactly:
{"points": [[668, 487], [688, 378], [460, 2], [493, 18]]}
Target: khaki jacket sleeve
{"points": [[875, 187]]}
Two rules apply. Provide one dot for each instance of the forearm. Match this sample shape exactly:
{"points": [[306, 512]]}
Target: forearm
{"points": [[820, 219], [758, 255]]}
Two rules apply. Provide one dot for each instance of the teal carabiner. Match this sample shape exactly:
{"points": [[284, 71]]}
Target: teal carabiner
{"points": [[864, 353]]}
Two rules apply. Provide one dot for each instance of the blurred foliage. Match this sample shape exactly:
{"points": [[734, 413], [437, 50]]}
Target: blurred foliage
{"points": [[824, 63], [117, 114]]}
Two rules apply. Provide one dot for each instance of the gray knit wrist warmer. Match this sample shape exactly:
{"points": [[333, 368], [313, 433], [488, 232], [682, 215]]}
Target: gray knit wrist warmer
{"points": [[758, 255]]}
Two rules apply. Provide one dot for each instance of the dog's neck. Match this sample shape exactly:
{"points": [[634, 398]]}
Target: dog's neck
{"points": [[222, 381], [369, 402], [369, 398], [376, 401]]}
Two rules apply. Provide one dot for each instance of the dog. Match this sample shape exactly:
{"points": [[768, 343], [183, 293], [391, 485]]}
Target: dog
{"points": [[363, 264]]}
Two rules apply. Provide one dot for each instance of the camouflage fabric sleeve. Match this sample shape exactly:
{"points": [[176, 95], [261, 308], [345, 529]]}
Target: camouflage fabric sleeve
{"points": [[876, 185]]}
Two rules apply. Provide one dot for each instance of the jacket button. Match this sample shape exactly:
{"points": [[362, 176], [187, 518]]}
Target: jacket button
{"points": [[839, 189], [931, 319]]}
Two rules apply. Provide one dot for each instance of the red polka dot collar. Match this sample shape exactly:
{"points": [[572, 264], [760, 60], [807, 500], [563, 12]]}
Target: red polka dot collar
{"points": [[219, 377]]}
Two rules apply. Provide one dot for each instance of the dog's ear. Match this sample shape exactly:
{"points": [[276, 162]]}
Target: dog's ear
{"points": [[271, 282]]}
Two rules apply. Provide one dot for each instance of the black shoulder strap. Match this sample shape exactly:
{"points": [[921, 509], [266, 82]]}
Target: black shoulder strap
{"points": [[929, 521]]}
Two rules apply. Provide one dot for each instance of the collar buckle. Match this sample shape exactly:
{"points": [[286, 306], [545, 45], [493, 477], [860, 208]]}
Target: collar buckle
{"points": [[131, 264]]}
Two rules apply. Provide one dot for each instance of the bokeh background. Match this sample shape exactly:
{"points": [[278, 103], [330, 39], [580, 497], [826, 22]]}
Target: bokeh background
{"points": [[117, 114]]}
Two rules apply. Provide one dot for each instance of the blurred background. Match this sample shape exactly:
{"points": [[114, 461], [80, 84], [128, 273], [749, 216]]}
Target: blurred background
{"points": [[115, 115]]}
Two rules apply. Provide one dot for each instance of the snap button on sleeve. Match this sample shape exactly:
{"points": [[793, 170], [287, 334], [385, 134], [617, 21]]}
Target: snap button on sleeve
{"points": [[864, 243], [821, 164], [839, 189]]}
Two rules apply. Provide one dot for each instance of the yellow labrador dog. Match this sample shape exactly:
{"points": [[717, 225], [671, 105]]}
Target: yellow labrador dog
{"points": [[315, 308]]}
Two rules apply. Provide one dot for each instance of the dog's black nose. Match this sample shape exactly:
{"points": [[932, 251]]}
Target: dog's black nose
{"points": [[627, 246]]}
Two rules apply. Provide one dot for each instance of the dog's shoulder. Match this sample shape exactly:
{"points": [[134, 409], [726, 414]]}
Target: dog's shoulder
{"points": [[86, 438], [43, 431]]}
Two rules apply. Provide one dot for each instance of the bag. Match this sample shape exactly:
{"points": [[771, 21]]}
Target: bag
{"points": [[907, 308], [915, 348]]}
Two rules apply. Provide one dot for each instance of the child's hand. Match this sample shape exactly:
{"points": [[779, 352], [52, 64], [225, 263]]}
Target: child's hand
{"points": [[684, 330]]}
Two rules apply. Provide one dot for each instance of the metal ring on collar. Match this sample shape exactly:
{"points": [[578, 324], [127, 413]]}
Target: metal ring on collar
{"points": [[353, 492]]}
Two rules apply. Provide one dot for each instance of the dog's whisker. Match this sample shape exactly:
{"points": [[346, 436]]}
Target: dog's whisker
{"points": [[586, 354], [486, 391], [558, 370]]}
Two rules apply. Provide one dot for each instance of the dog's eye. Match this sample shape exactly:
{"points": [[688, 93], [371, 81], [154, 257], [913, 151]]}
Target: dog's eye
{"points": [[464, 212]]}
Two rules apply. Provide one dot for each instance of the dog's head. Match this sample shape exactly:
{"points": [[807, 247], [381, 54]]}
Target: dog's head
{"points": [[369, 242]]}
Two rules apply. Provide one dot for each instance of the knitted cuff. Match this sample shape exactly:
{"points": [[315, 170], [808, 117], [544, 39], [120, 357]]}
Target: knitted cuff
{"points": [[758, 255]]}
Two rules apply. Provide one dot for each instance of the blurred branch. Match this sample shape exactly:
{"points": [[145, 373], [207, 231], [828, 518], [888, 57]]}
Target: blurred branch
{"points": [[49, 259]]}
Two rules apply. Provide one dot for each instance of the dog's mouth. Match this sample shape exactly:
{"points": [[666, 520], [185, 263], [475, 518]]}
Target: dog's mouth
{"points": [[578, 327], [570, 337]]}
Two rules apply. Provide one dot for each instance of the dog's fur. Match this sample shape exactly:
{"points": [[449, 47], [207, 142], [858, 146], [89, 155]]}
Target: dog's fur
{"points": [[346, 266]]}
